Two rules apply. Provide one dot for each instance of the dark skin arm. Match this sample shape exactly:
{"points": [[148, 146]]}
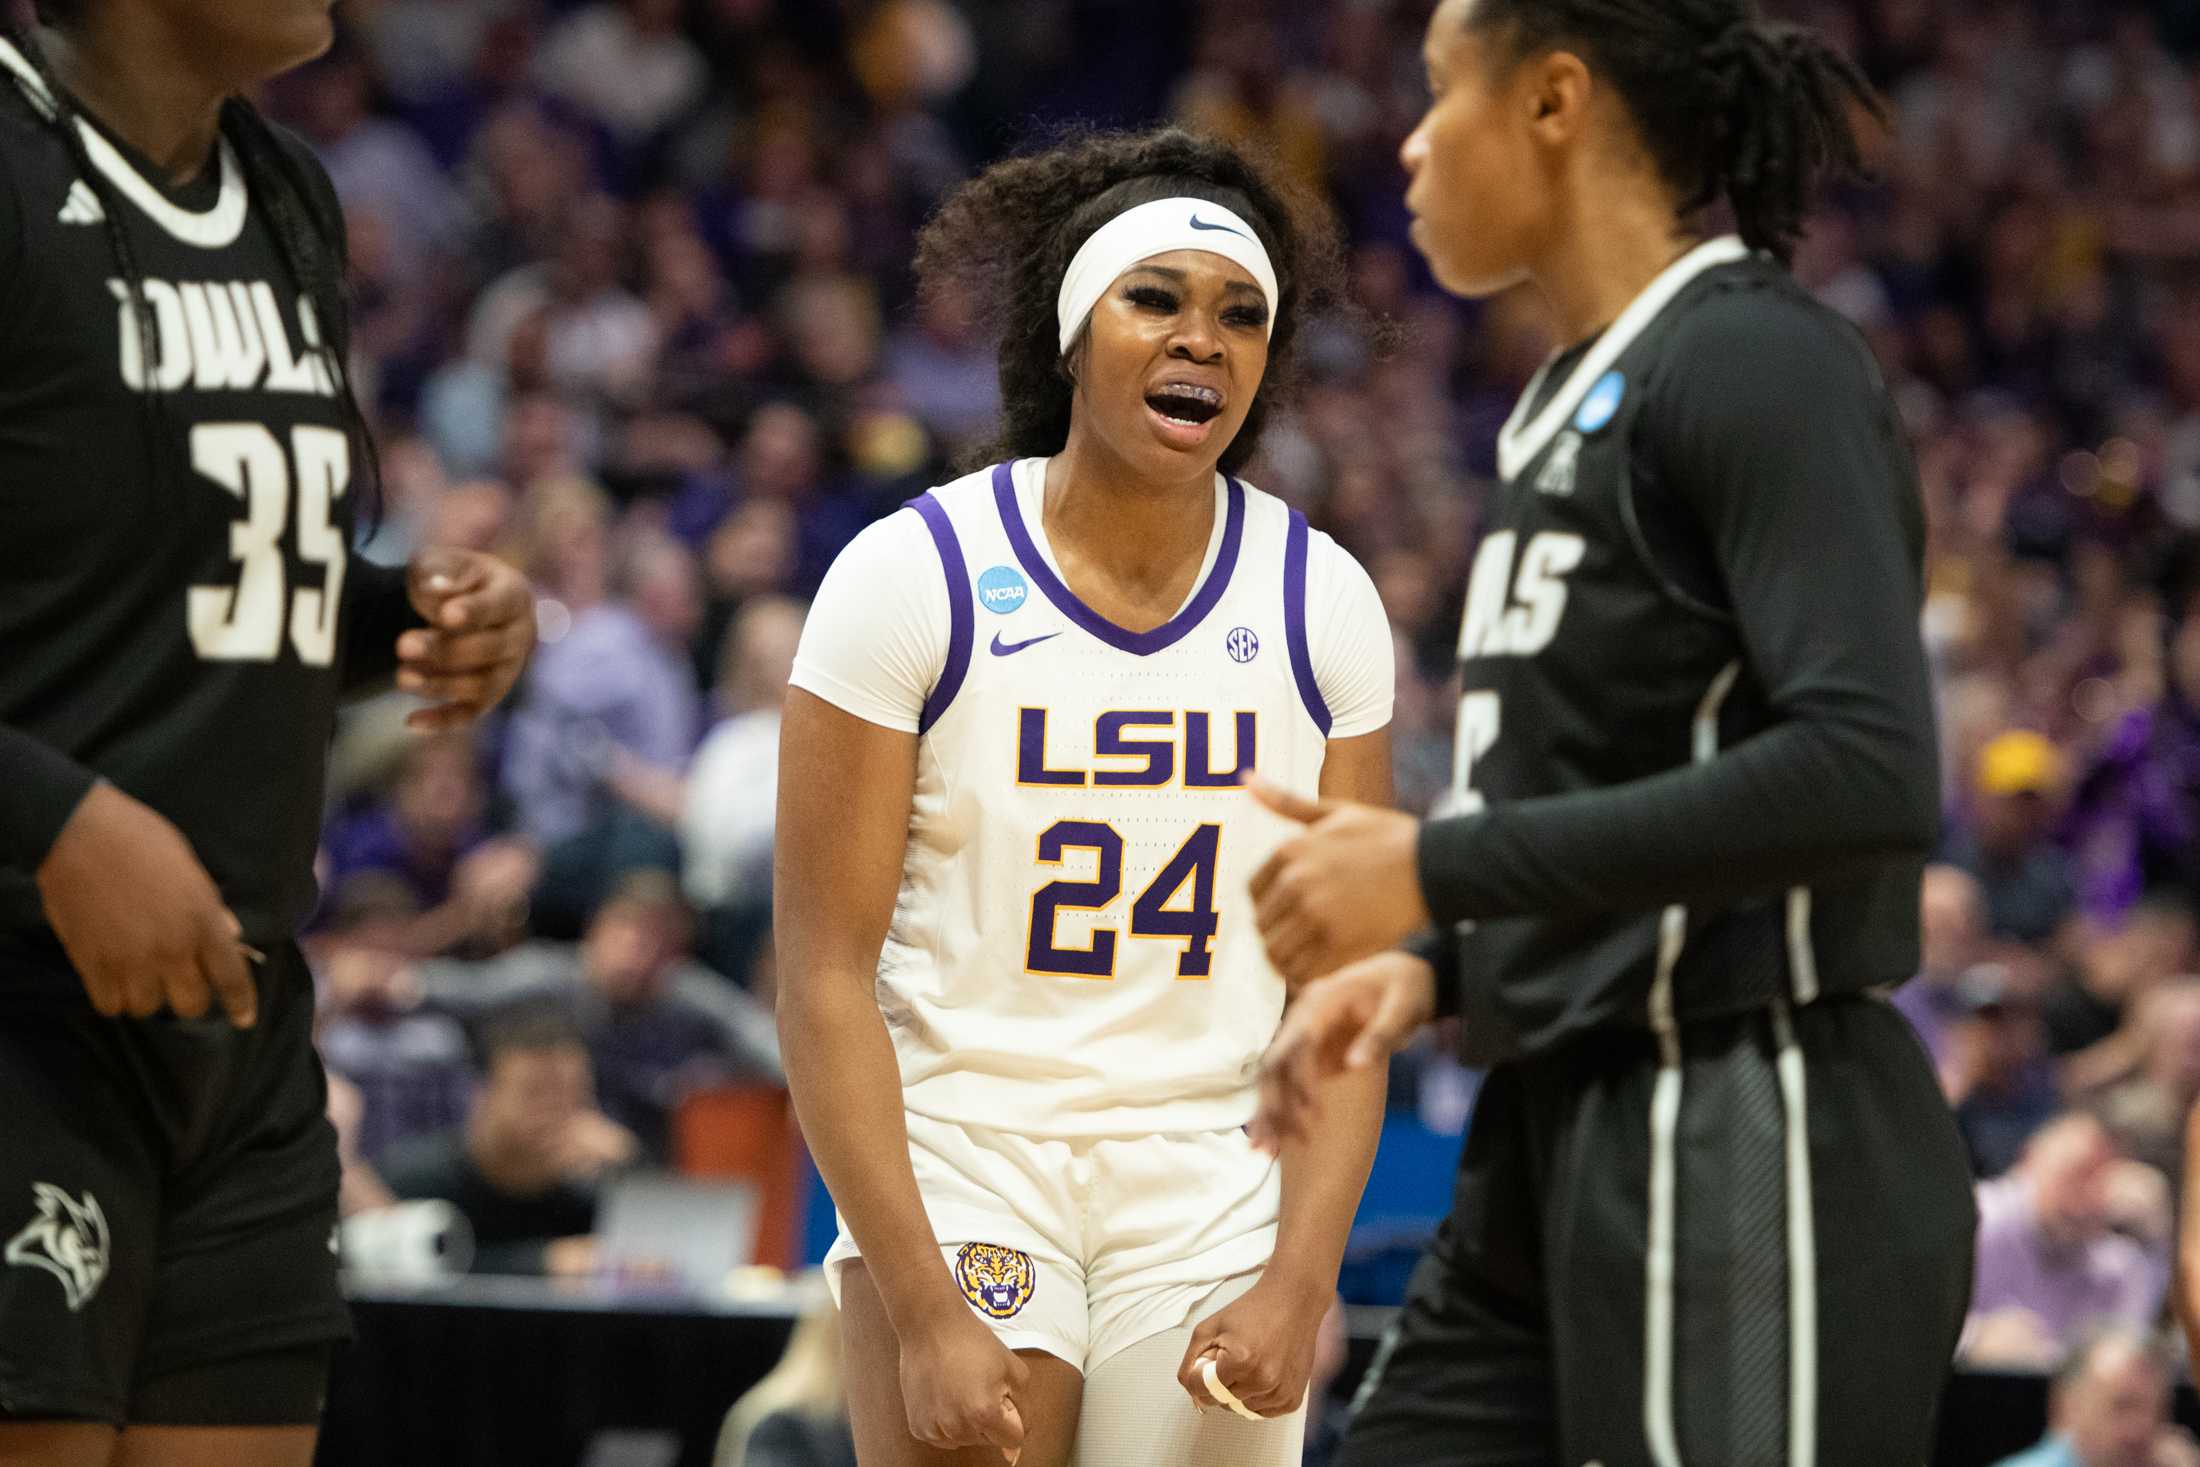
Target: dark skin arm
{"points": [[844, 793], [1263, 1343], [480, 628], [142, 922]]}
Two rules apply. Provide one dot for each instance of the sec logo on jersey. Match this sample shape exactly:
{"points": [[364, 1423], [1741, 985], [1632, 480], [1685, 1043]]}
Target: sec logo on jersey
{"points": [[997, 1281], [1003, 589], [1242, 645]]}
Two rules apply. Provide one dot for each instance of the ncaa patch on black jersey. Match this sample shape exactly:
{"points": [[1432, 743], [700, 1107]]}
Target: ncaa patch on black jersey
{"points": [[1602, 404]]}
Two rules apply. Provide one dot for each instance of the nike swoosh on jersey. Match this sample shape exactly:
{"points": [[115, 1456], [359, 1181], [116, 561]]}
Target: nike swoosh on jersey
{"points": [[1199, 223], [1010, 649]]}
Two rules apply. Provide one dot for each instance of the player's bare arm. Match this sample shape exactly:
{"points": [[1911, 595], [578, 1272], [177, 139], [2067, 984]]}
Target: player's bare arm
{"points": [[139, 917], [1346, 1023], [844, 796], [1263, 1343]]}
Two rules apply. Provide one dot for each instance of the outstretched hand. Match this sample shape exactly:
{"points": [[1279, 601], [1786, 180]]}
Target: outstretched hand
{"points": [[481, 627], [1347, 887], [1349, 1020]]}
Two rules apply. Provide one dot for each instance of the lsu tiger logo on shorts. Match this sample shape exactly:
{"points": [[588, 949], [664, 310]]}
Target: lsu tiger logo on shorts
{"points": [[997, 1281]]}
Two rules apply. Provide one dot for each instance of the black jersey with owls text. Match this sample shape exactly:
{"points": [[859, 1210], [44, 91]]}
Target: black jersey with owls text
{"points": [[1695, 741], [173, 533]]}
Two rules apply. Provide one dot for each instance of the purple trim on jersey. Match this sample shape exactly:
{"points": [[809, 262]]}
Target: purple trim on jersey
{"points": [[1294, 622], [960, 617], [1139, 644]]}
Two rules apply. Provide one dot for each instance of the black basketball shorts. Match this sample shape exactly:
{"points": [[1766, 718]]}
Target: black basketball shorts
{"points": [[167, 1207], [1758, 1257]]}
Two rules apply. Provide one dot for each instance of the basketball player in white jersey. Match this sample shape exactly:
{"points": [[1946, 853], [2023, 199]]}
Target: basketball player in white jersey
{"points": [[1023, 1000]]}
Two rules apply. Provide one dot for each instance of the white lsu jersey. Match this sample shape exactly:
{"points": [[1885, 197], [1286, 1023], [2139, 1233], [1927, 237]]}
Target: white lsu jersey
{"points": [[1073, 951]]}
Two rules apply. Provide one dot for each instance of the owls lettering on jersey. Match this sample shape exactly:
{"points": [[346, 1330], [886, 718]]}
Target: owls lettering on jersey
{"points": [[220, 335], [1073, 950]]}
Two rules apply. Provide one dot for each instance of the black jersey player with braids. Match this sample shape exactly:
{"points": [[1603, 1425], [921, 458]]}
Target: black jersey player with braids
{"points": [[181, 465], [1711, 1209]]}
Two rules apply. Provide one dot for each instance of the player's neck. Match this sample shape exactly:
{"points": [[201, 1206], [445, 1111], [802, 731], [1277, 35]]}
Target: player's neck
{"points": [[140, 82], [1110, 518], [1616, 242]]}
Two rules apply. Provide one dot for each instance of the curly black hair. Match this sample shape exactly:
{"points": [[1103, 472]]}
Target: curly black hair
{"points": [[1010, 233], [1730, 105]]}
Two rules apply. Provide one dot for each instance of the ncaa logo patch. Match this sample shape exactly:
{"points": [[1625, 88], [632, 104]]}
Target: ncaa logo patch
{"points": [[1602, 403], [997, 1281], [1241, 644], [1003, 589]]}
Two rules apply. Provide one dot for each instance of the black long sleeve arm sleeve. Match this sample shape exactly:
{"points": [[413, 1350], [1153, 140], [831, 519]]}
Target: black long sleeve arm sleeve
{"points": [[44, 787], [1439, 948], [1774, 432], [377, 609]]}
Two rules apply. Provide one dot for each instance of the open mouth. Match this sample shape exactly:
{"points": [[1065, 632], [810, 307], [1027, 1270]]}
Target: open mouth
{"points": [[1183, 402]]}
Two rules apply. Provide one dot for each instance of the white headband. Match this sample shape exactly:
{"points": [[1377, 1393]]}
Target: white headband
{"points": [[1159, 228]]}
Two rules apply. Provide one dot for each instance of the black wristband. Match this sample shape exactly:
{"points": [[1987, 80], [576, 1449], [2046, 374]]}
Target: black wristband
{"points": [[378, 609], [1440, 950], [1444, 857], [44, 786]]}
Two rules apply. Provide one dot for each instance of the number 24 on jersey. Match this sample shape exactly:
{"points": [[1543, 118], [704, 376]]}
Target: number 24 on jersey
{"points": [[1153, 915]]}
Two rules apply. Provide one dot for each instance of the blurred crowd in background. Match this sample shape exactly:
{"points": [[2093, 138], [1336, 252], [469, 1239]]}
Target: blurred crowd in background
{"points": [[635, 309]]}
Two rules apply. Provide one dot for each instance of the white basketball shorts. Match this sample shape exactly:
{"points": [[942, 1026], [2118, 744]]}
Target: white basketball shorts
{"points": [[1081, 1247]]}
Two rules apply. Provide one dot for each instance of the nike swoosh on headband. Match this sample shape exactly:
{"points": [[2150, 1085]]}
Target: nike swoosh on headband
{"points": [[1199, 223], [1159, 228]]}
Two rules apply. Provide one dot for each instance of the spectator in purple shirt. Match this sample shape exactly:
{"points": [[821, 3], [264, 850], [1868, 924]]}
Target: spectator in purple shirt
{"points": [[376, 164], [2075, 1237], [2135, 824], [1951, 938], [410, 1068], [620, 681], [429, 820], [468, 889]]}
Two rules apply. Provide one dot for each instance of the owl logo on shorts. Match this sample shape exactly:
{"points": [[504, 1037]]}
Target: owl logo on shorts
{"points": [[67, 1239], [997, 1281]]}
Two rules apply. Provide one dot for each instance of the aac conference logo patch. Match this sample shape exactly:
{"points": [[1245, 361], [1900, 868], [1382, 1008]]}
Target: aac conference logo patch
{"points": [[997, 1281], [1003, 589]]}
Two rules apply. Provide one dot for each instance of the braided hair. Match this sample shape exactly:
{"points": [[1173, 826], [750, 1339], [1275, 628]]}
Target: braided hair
{"points": [[1009, 235], [307, 230], [1729, 105]]}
